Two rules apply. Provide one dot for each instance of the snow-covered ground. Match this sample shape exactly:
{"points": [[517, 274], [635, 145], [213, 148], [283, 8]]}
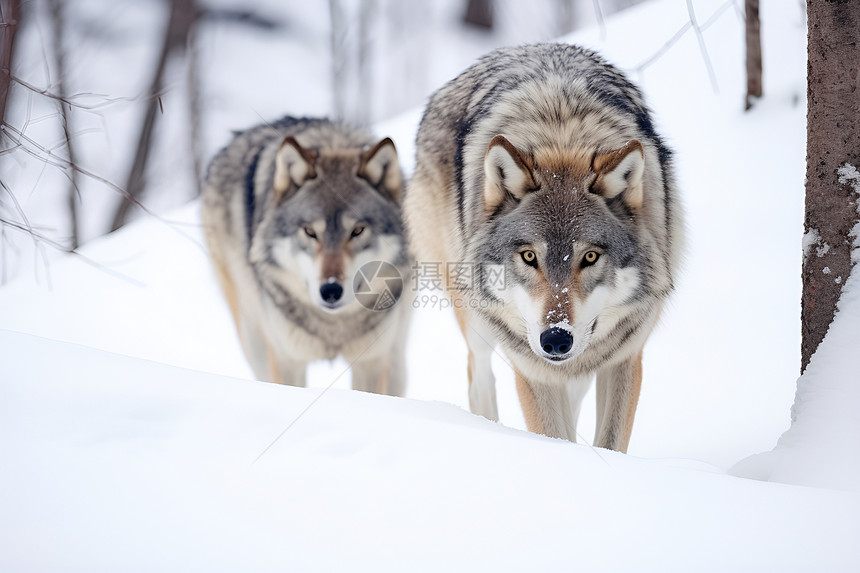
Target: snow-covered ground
{"points": [[130, 433]]}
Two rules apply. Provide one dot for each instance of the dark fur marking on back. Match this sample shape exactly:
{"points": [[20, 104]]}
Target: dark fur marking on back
{"points": [[250, 195]]}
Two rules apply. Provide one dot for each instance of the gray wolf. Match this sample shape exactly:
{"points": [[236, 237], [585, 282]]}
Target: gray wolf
{"points": [[292, 211], [543, 160]]}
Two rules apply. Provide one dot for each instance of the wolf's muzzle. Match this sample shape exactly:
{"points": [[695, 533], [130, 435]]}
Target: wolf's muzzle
{"points": [[556, 341]]}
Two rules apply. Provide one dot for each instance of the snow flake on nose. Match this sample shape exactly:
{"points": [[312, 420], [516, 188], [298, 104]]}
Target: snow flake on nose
{"points": [[557, 317]]}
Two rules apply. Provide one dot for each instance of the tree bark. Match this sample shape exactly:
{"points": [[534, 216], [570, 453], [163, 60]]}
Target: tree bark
{"points": [[833, 143], [183, 14], [10, 13], [753, 52]]}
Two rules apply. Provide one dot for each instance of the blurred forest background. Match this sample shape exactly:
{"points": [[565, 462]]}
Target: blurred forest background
{"points": [[115, 107]]}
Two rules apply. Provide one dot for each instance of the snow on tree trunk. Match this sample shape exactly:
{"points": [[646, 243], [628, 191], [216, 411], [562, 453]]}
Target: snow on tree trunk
{"points": [[833, 144]]}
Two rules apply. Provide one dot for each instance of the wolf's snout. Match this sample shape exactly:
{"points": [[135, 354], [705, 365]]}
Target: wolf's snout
{"points": [[556, 341], [331, 292]]}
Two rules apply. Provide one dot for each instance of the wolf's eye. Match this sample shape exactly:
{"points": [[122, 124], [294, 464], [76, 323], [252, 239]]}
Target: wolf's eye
{"points": [[529, 258], [357, 231], [590, 258], [310, 233]]}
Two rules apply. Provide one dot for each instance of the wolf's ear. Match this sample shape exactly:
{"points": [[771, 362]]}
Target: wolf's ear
{"points": [[506, 172], [620, 171], [293, 165], [378, 165]]}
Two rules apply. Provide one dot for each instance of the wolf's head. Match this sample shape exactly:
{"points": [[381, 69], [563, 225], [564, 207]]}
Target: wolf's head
{"points": [[563, 224], [333, 210]]}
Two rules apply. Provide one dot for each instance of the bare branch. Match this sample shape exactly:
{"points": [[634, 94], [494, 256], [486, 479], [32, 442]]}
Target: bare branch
{"points": [[601, 22], [691, 23], [702, 47], [665, 47], [69, 100], [42, 240], [62, 163]]}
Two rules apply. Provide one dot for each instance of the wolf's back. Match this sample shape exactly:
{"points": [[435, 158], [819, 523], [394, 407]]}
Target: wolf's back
{"points": [[550, 96]]}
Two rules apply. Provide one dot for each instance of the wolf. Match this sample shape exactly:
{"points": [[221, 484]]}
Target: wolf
{"points": [[292, 211], [543, 162]]}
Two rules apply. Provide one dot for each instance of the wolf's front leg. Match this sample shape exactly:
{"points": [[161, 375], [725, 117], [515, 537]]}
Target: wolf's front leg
{"points": [[482, 382], [285, 370], [378, 375], [551, 408], [618, 389]]}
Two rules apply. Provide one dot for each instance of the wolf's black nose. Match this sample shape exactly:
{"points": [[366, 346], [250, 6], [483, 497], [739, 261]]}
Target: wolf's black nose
{"points": [[556, 341], [331, 292]]}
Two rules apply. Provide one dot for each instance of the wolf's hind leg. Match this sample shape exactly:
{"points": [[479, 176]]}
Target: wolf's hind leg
{"points": [[482, 382], [618, 389]]}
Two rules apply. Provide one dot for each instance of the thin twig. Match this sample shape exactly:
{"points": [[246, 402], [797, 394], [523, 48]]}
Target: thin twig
{"points": [[39, 238], [664, 48], [68, 100], [702, 47], [62, 163], [601, 21]]}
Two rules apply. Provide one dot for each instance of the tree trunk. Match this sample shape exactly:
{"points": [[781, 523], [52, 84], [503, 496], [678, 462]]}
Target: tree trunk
{"points": [[339, 58], [183, 14], [194, 113], [833, 152], [479, 13], [73, 193], [10, 13], [753, 52], [364, 67], [564, 17]]}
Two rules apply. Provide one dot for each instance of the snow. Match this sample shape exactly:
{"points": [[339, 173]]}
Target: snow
{"points": [[129, 425], [151, 467], [820, 449], [848, 175], [810, 238]]}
